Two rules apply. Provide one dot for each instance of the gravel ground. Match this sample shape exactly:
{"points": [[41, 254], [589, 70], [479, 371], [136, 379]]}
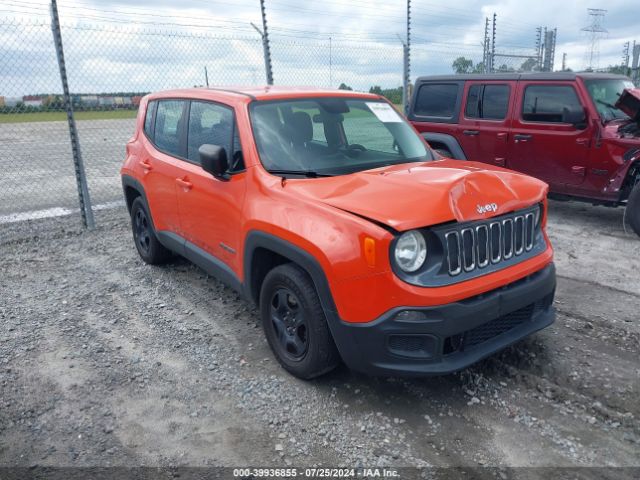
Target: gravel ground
{"points": [[107, 361]]}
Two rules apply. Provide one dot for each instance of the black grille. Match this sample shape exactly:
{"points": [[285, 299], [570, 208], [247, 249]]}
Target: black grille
{"points": [[496, 327], [492, 329], [476, 245]]}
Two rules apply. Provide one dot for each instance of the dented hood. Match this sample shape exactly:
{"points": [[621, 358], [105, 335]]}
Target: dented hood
{"points": [[420, 194], [629, 103]]}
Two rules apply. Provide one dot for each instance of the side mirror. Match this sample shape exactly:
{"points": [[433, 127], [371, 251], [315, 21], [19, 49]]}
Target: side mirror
{"points": [[213, 159], [577, 118]]}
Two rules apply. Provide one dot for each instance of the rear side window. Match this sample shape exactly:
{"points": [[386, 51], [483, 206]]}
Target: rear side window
{"points": [[488, 102], [148, 119], [546, 103], [168, 127], [437, 100]]}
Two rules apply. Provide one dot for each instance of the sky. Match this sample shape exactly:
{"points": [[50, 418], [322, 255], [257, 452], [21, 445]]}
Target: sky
{"points": [[145, 45]]}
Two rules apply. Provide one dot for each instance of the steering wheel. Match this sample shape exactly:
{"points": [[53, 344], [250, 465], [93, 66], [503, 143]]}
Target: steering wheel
{"points": [[355, 149]]}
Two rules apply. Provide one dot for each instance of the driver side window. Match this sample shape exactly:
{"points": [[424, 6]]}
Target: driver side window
{"points": [[213, 124]]}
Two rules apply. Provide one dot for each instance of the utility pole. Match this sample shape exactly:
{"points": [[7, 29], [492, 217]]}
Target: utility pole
{"points": [[265, 44], [564, 62], [407, 63], [596, 31], [493, 44], [81, 178], [635, 63], [206, 76], [625, 57], [485, 46], [549, 49], [539, 48], [330, 64]]}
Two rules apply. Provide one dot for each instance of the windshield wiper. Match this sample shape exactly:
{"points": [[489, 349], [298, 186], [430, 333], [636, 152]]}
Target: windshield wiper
{"points": [[606, 104], [304, 173]]}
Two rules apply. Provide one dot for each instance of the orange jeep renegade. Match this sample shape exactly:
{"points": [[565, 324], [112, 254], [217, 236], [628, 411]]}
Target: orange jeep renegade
{"points": [[355, 240]]}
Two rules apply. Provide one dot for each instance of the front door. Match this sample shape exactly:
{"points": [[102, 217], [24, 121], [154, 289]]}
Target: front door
{"points": [[542, 142], [210, 208]]}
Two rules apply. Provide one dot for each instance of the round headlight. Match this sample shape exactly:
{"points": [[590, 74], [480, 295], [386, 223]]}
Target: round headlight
{"points": [[411, 251]]}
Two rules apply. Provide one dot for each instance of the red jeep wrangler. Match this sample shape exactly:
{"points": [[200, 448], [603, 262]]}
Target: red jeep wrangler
{"points": [[328, 210], [580, 133]]}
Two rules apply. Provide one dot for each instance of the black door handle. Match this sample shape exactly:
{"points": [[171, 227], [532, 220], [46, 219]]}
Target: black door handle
{"points": [[521, 136], [470, 132]]}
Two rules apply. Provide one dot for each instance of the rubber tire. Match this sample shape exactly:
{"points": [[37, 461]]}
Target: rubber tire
{"points": [[443, 152], [633, 209], [157, 253], [322, 355]]}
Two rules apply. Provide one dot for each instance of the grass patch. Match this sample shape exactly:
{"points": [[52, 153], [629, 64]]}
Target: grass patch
{"points": [[62, 116]]}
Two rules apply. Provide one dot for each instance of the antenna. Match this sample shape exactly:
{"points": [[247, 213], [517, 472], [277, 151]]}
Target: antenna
{"points": [[596, 31]]}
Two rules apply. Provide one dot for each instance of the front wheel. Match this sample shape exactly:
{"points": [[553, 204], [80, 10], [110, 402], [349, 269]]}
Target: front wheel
{"points": [[633, 209], [294, 323]]}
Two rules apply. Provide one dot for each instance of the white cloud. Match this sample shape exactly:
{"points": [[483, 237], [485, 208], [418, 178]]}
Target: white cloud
{"points": [[136, 46]]}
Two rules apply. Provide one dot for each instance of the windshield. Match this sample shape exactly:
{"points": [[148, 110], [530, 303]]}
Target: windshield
{"points": [[333, 136], [605, 94]]}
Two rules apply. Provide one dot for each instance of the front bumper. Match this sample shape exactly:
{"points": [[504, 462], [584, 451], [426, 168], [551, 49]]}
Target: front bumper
{"points": [[446, 338]]}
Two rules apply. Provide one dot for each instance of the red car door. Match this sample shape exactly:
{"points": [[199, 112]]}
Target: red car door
{"points": [[210, 208], [484, 121], [158, 163], [544, 142]]}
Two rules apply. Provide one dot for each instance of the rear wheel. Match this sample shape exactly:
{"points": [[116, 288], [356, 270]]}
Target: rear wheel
{"points": [[294, 323], [144, 235], [633, 209]]}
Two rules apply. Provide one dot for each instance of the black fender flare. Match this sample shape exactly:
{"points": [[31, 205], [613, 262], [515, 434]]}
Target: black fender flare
{"points": [[131, 182], [259, 239], [447, 140]]}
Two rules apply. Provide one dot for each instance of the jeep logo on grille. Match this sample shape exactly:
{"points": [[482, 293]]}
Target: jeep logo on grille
{"points": [[489, 207]]}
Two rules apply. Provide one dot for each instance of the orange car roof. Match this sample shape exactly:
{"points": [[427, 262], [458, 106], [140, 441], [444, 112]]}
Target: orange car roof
{"points": [[268, 92]]}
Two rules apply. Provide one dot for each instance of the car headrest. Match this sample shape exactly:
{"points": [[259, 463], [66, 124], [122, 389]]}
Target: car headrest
{"points": [[301, 127]]}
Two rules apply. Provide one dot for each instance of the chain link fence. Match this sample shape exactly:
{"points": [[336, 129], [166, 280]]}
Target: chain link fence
{"points": [[111, 66]]}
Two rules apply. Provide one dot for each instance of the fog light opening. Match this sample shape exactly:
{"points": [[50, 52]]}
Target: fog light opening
{"points": [[452, 344]]}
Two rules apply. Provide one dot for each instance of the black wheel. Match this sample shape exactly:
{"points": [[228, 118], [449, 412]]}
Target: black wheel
{"points": [[294, 323], [144, 235], [633, 209]]}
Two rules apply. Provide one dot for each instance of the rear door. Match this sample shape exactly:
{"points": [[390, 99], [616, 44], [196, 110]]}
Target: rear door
{"points": [[211, 208], [542, 144], [484, 123], [158, 164]]}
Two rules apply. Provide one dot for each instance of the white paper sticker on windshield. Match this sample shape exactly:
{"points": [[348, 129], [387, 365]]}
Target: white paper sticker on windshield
{"points": [[384, 112]]}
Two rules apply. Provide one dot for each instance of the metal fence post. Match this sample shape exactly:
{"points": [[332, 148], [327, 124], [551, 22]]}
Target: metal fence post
{"points": [[265, 45], [81, 178], [406, 80]]}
